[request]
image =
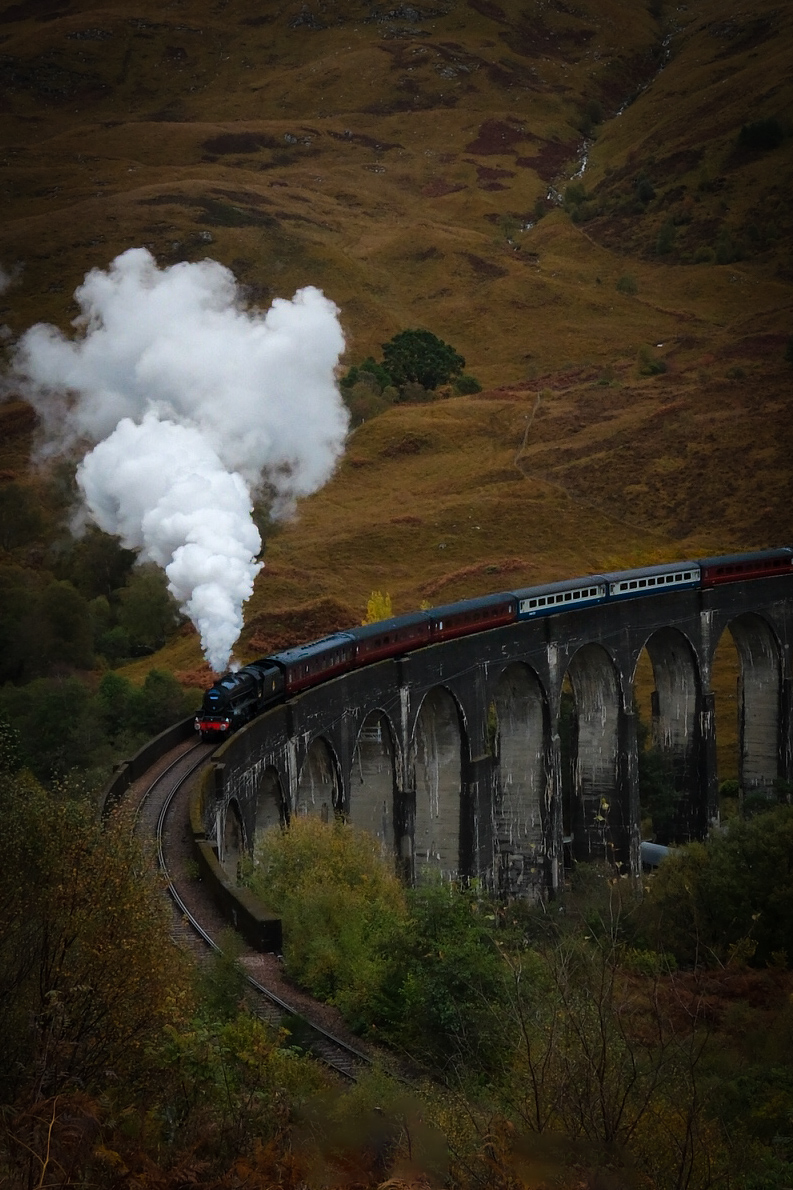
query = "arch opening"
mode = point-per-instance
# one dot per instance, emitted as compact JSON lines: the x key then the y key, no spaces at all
{"x":270,"y":802}
{"x":748,"y":740}
{"x":599,"y":815}
{"x":667,"y":701}
{"x":521,"y":750}
{"x":233,"y":842}
{"x":437,"y":765}
{"x":373,"y":782}
{"x":318,"y":789}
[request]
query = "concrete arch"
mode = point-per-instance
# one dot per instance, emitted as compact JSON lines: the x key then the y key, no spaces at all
{"x":675,"y":726}
{"x":270,"y":801}
{"x":373,"y":780}
{"x":522,"y":746}
{"x":600,"y":819}
{"x":438,"y":769}
{"x":318,"y":787}
{"x":759,"y":703}
{"x":233,"y":841}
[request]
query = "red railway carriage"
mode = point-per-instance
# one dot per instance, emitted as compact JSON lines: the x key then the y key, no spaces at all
{"x":733,"y":568}
{"x":389,"y":638}
{"x":305,"y":665}
{"x":472,"y":615}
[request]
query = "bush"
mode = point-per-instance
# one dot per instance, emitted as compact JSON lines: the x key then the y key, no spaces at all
{"x":732,"y":895}
{"x":374,"y":375}
{"x":88,"y":977}
{"x":627,"y":285}
{"x":649,"y":364}
{"x":761,"y":135}
{"x":365,"y":402}
{"x":666,"y":238}
{"x":466,"y":385}
{"x":340,"y":905}
{"x":645,"y":191}
{"x":416,"y":967}
{"x":728,"y":250}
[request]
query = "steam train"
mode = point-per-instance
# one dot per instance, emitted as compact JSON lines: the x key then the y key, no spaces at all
{"x":238,"y":697}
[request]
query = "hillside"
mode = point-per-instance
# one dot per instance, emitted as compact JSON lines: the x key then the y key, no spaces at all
{"x":562,"y":191}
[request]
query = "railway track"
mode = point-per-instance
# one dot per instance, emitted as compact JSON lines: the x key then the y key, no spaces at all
{"x":160,"y":809}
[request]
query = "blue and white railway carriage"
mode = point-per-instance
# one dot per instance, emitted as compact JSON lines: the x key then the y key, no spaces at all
{"x":649,"y":580}
{"x":560,"y":597}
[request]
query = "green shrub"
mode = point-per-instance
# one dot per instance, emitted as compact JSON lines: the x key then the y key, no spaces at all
{"x":466,"y":385}
{"x":364,"y":402}
{"x":666,"y":238}
{"x":728,"y":249}
{"x":370,"y":373}
{"x":627,"y":285}
{"x":704,"y":255}
{"x":340,"y":904}
{"x":649,"y":364}
{"x":574,"y":194}
{"x":645,"y":191}
{"x":733,"y":893}
{"x":761,"y":135}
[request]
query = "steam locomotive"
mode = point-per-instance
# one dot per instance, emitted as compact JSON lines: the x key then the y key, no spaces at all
{"x":238,"y":697}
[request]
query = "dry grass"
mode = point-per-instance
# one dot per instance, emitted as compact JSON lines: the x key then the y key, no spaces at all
{"x":397,"y":165}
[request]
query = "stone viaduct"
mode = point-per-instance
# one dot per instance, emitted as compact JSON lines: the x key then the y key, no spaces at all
{"x":452,"y":755}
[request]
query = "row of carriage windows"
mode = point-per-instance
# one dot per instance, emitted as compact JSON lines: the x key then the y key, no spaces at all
{"x":564,"y":597}
{"x":655,"y":580}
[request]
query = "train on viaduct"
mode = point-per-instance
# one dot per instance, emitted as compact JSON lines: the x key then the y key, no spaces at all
{"x":451,"y":754}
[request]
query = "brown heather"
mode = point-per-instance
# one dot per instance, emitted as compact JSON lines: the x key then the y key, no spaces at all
{"x":396,"y":158}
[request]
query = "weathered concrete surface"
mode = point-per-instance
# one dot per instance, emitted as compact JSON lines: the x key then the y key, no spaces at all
{"x":451,"y":755}
{"x":437,"y":763}
{"x":372,"y":797}
{"x":675,"y":707}
{"x":521,"y":740}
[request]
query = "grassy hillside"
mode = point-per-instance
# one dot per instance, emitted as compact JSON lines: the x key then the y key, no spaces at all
{"x":423,"y":165}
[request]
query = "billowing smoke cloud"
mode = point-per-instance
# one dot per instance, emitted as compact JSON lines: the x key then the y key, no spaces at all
{"x":192,"y":401}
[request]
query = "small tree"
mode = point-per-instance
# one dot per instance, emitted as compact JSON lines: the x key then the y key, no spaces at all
{"x":421,"y":357}
{"x":378,"y":607}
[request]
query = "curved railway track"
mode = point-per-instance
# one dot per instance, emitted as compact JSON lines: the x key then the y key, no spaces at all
{"x":160,"y":808}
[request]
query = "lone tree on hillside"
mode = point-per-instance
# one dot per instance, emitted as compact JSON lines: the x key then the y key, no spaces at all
{"x":421,"y":357}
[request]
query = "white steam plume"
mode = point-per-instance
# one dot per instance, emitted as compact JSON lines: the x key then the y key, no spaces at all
{"x":193,"y":401}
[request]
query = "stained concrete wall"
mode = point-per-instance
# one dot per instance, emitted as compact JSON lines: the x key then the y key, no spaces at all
{"x":472,"y":801}
{"x":271,"y":809}
{"x":676,"y":702}
{"x":373,"y":782}
{"x":317,"y":793}
{"x":596,"y":796}
{"x":759,"y":704}
{"x":521,"y":740}
{"x":437,"y":764}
